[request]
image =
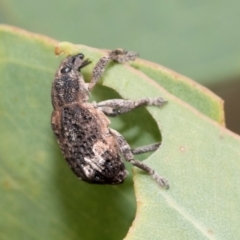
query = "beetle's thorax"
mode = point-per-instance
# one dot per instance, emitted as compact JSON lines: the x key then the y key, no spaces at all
{"x":69,"y":89}
{"x":69,"y":86}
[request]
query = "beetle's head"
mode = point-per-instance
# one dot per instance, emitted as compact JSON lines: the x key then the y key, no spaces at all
{"x":69,"y":85}
{"x":75,"y":62}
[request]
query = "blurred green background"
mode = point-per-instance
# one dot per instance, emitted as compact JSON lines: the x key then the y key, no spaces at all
{"x":199,"y":39}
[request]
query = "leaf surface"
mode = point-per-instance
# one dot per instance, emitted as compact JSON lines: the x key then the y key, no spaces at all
{"x":41,"y":198}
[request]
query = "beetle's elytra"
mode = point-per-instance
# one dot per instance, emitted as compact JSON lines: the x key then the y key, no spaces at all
{"x":92,"y":149}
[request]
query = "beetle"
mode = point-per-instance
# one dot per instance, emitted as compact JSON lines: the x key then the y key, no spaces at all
{"x":92,"y":149}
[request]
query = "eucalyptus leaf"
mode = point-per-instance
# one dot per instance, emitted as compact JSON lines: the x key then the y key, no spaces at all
{"x":41,"y":198}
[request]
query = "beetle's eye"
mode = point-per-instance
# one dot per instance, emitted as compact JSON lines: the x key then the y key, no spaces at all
{"x":66,"y":70}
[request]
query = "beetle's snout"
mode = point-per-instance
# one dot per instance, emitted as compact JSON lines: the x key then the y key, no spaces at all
{"x":79,"y":62}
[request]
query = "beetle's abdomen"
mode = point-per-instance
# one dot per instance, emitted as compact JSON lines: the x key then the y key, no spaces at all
{"x":93,"y":157}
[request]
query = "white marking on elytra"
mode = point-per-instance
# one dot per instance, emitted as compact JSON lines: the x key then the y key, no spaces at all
{"x":97,"y":162}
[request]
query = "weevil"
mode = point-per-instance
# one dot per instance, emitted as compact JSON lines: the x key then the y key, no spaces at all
{"x":93,"y":150}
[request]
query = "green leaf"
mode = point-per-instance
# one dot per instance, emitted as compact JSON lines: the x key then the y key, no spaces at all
{"x":41,"y":198}
{"x":184,"y":88}
{"x":196,"y":38}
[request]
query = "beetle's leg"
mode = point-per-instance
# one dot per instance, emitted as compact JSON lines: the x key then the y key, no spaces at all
{"x":115,"y":107}
{"x":146,"y":148}
{"x":128,"y":155}
{"x":117,"y":55}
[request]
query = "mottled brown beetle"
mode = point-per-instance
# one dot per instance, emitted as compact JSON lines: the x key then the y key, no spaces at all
{"x":91,"y":148}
